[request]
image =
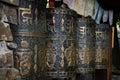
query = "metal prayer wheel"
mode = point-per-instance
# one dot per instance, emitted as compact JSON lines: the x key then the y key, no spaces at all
{"x":102,"y":46}
{"x":60,"y":43}
{"x":25,"y":55}
{"x":85,"y":45}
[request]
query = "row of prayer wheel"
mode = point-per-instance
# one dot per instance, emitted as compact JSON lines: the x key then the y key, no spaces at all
{"x":58,"y":44}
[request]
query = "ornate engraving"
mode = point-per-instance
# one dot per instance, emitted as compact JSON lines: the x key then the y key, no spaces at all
{"x":43,"y":59}
{"x":62,"y":27}
{"x":62,"y":56}
{"x":28,"y":36}
{"x":51,"y":55}
{"x":85,"y":45}
{"x":60,"y":43}
{"x":70,"y":55}
{"x":35,"y":58}
{"x":25,"y":15}
{"x":24,"y":58}
{"x":102,"y":46}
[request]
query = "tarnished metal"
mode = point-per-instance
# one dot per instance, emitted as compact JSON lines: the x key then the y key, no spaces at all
{"x":86,"y":76}
{"x":29,"y":36}
{"x":102,"y":46}
{"x":38,"y":12}
{"x":85,"y":45}
{"x":13,"y":2}
{"x":24,"y":54}
{"x":25,"y":37}
{"x":60,"y":43}
{"x":24,"y":13}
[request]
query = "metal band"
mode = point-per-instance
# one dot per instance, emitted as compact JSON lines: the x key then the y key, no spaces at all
{"x":99,"y":66}
{"x":61,"y":11}
{"x":61,"y":74}
{"x":24,"y":33}
{"x":85,"y":70}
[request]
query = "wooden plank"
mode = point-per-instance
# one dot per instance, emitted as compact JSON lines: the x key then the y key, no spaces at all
{"x":113,"y":30}
{"x":109,"y":70}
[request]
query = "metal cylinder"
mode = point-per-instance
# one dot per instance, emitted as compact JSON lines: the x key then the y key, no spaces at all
{"x":23,"y":36}
{"x":85,"y":45}
{"x":24,"y":54}
{"x":102,"y":46}
{"x":29,"y":37}
{"x":60,"y":43}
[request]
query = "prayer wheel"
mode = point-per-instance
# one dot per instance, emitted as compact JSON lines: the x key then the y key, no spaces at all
{"x":85,"y":48}
{"x":24,"y":54}
{"x":60,"y":43}
{"x":102,"y":46}
{"x":28,"y":37}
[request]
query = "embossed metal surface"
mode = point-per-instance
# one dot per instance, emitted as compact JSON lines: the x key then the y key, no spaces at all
{"x":102,"y":45}
{"x":85,"y":45}
{"x":60,"y":46}
{"x":39,"y":23}
{"x":24,"y":13}
{"x":25,"y":54}
{"x":29,"y":36}
{"x":25,"y":37}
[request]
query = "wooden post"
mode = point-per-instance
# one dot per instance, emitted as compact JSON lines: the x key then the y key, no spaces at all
{"x":109,"y":70}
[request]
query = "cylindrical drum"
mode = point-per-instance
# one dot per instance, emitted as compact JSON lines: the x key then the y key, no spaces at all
{"x":85,"y":45}
{"x":25,"y":37}
{"x":24,"y":55}
{"x":102,"y":45}
{"x":60,"y":46}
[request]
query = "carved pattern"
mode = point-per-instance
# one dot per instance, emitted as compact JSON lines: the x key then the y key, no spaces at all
{"x":24,"y":58}
{"x":85,"y":45}
{"x":102,"y":46}
{"x":22,"y":15}
{"x":60,"y":46}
